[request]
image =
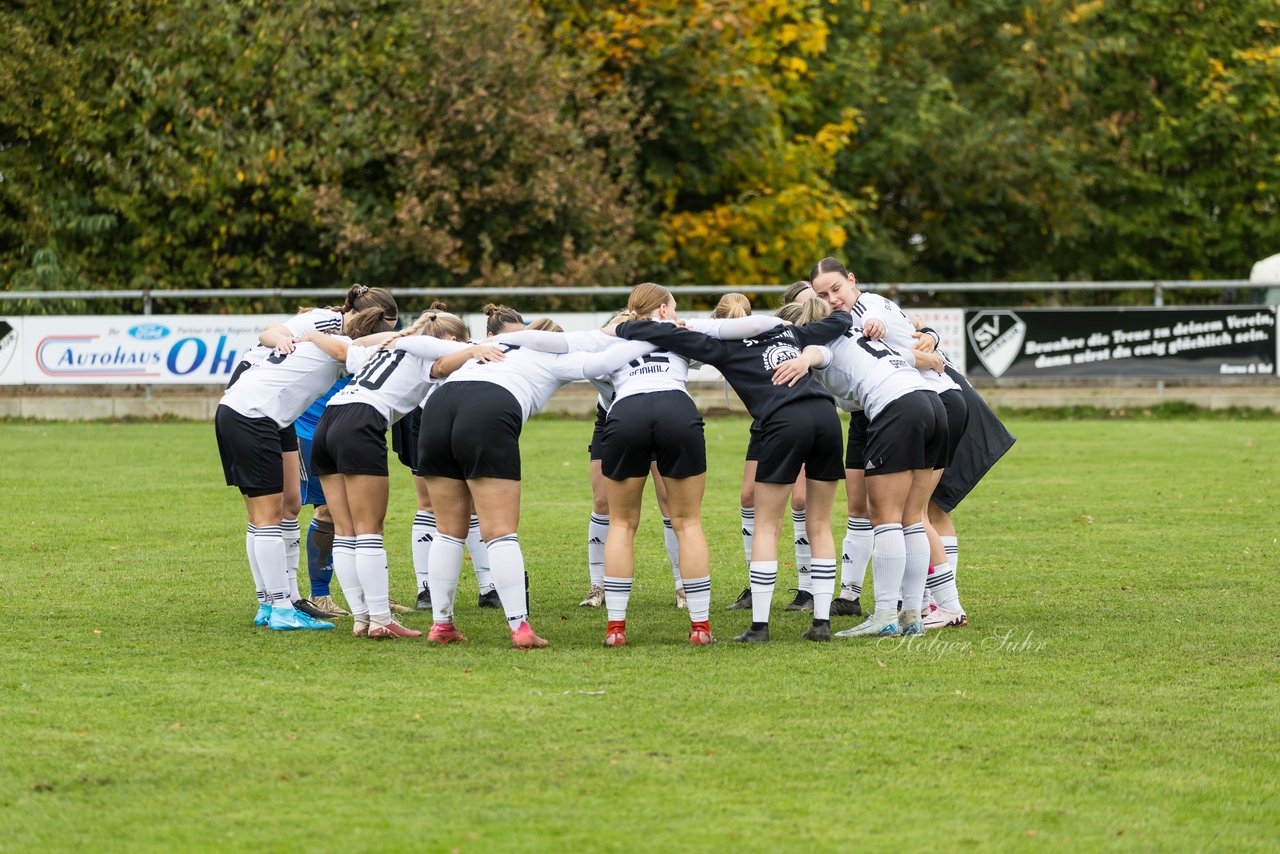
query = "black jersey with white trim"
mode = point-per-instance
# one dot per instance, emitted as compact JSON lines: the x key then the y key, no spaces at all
{"x":748,"y":364}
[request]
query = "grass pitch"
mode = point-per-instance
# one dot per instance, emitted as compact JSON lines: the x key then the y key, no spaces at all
{"x":1118,"y":687}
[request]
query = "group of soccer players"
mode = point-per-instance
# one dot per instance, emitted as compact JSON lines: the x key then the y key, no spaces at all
{"x":306,"y":416}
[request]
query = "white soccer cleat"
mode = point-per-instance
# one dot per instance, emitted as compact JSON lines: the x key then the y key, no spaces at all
{"x":941,"y":618}
{"x":883,"y":625}
{"x":595,"y":598}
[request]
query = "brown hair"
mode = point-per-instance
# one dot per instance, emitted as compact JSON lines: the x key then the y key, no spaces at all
{"x":645,"y":299}
{"x":789,"y":295}
{"x":499,"y":316}
{"x":370,"y":321}
{"x":732,"y":305}
{"x":811,"y":310}
{"x":546,"y":324}
{"x":361,"y":297}
{"x":828,"y":265}
{"x":436,"y":323}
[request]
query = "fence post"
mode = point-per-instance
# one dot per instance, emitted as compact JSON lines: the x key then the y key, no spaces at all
{"x":1157,"y":298}
{"x":146,"y":309}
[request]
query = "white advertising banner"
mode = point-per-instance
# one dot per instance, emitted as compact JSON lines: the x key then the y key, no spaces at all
{"x":155,"y":349}
{"x":204,"y":349}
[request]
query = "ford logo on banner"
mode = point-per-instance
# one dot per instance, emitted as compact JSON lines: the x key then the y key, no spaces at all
{"x":149,"y":331}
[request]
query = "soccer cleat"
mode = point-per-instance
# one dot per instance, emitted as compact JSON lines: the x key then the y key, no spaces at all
{"x":682,"y":601}
{"x":263,"y":616}
{"x":802,"y":602}
{"x":312,"y":610}
{"x":361,"y":628}
{"x":872,"y":628}
{"x":743,"y":602}
{"x":393,"y":630}
{"x":818,"y":632}
{"x":286,"y":620}
{"x":700,"y":634}
{"x":753,"y":635}
{"x":595,"y":598}
{"x":909,"y":623}
{"x":397,"y":608}
{"x":445,"y":633}
{"x":423,"y":602}
{"x":841,"y":607}
{"x":489,"y":600}
{"x":524,"y":638}
{"x":616,"y":633}
{"x":326,"y":603}
{"x":941,"y":618}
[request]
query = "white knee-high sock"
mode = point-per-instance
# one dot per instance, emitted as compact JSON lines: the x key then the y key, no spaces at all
{"x":799,"y":528}
{"x":673,"y":550}
{"x":617,"y":592}
{"x":888,"y":562}
{"x":597,"y":533}
{"x":748,"y":530}
{"x":915,"y":569}
{"x":698,"y":592}
{"x":424,"y":534}
{"x":479,"y":557}
{"x":946,"y":592}
{"x":764,"y":575}
{"x":292,"y":549}
{"x":507,"y":563}
{"x":268,"y":545}
{"x":823,"y":572}
{"x":259,"y":585}
{"x":445,"y":568}
{"x":858,"y":541}
{"x":371,"y":566}
{"x":344,"y":567}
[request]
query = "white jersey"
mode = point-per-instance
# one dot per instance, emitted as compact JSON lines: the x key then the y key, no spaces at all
{"x":656,"y":371}
{"x":315,"y":320}
{"x":283,"y":385}
{"x":869,"y":373}
{"x":533,"y":376}
{"x":395,"y":381}
{"x":898,"y":333}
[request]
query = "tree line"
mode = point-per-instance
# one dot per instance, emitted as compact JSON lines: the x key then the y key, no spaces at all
{"x":312,"y":143}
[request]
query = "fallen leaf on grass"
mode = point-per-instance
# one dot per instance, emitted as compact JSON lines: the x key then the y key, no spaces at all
{"x":1086,"y":518}
{"x":883,"y":666}
{"x":175,"y":725}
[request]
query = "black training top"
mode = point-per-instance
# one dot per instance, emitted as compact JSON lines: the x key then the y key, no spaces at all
{"x":748,"y":365}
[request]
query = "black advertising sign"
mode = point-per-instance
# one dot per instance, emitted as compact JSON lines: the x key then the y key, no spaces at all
{"x":1120,"y":342}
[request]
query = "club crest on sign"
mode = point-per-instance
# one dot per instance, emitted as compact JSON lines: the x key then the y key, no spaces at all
{"x":8,"y":344}
{"x":997,"y":338}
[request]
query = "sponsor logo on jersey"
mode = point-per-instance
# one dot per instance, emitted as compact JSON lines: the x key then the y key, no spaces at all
{"x":997,"y":337}
{"x":776,"y":354}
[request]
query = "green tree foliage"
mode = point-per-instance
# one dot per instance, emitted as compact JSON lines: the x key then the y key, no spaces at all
{"x":197,"y":143}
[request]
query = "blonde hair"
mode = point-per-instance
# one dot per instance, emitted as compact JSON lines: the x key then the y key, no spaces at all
{"x":811,"y":310}
{"x":546,"y":324}
{"x":645,"y":299}
{"x":790,"y":312}
{"x":435,"y":322}
{"x":731,"y":305}
{"x":499,"y":316}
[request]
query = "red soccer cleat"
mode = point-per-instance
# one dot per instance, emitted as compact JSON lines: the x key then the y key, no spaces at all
{"x":700,"y":634}
{"x":445,"y":633}
{"x":524,"y":638}
{"x":616,"y":633}
{"x":392,"y":630}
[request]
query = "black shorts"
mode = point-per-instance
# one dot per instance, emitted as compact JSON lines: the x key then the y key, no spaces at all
{"x":404,"y":439}
{"x":802,"y":434}
{"x":855,"y":452}
{"x":753,"y":444}
{"x":662,"y":425}
{"x":984,"y":442}
{"x":288,"y":439}
{"x":908,"y":434}
{"x":350,"y":439}
{"x":957,"y":416}
{"x":470,"y":430}
{"x":250,"y":452}
{"x":593,"y":450}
